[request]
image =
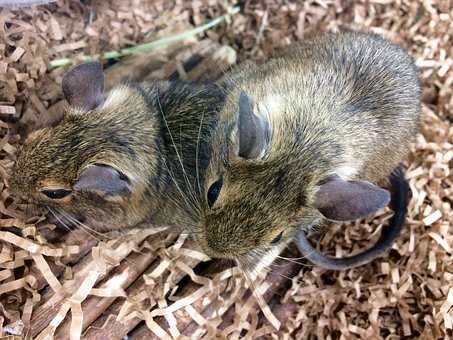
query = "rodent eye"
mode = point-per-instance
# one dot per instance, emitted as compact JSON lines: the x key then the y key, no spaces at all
{"x":56,"y":193}
{"x":277,"y":238}
{"x":214,"y":191}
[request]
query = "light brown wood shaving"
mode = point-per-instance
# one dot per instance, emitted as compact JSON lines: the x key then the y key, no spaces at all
{"x":408,"y":293}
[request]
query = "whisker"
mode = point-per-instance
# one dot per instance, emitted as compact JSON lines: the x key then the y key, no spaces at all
{"x":190,"y":205}
{"x":73,"y":221}
{"x":177,"y":153}
{"x":84,"y":227}
{"x":197,"y":155}
{"x":104,"y":237}
{"x":245,"y":268}
{"x":63,"y":224}
{"x":190,"y":233}
{"x":270,"y":272}
{"x":293,"y":261}
{"x":192,"y":210}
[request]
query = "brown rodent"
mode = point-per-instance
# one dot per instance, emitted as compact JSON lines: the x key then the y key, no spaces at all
{"x":119,"y":159}
{"x":307,"y":138}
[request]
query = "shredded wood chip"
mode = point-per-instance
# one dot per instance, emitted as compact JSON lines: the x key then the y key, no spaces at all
{"x":155,"y":328}
{"x":34,"y":248}
{"x":43,"y":266}
{"x":405,"y":294}
{"x":16,"y":284}
{"x":433,"y":217}
{"x":441,"y":241}
{"x":9,"y":110}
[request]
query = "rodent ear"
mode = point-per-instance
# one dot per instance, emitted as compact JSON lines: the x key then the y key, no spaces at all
{"x":342,"y":200}
{"x":83,"y":86}
{"x":103,"y":180}
{"x":253,"y":130}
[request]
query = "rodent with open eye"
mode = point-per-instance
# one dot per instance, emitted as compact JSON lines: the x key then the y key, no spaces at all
{"x":119,"y":159}
{"x":307,"y":138}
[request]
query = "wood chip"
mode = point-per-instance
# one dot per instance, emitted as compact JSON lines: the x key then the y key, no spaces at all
{"x":432,"y":218}
{"x":8,"y":110}
{"x":17,"y":54}
{"x":397,"y":290}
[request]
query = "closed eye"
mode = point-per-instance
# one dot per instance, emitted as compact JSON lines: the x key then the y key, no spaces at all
{"x":277,"y":238}
{"x":214,"y":191}
{"x":56,"y":193}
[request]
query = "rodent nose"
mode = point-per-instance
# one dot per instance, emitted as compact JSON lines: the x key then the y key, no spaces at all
{"x":223,"y":247}
{"x":24,"y":197}
{"x":213,"y":248}
{"x":216,"y":247}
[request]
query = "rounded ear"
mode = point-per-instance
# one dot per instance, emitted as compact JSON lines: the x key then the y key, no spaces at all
{"x":253,"y":130}
{"x":104,"y":181}
{"x":83,"y":86}
{"x":342,"y":200}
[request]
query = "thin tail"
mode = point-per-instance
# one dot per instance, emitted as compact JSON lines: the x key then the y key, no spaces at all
{"x":400,"y":190}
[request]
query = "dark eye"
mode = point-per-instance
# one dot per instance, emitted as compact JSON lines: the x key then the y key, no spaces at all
{"x":277,"y":238}
{"x":56,"y":194}
{"x":214,"y":191}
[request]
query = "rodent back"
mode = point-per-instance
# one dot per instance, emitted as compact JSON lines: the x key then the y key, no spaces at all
{"x":356,"y":86}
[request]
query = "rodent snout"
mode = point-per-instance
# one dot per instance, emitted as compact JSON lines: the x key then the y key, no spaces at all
{"x":224,"y":244}
{"x":219,"y":250}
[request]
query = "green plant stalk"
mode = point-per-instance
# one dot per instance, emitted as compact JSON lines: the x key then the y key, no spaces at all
{"x":147,"y":47}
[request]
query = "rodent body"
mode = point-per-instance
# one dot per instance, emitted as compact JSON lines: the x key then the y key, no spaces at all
{"x":114,"y":161}
{"x":305,"y":138}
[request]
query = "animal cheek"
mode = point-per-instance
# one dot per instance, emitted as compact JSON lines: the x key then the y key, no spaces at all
{"x":66,"y":201}
{"x":301,"y":201}
{"x":22,"y":195}
{"x":120,"y":199}
{"x":76,"y":202}
{"x":301,"y":213}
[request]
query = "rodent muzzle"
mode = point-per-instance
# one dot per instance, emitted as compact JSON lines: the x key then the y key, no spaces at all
{"x":225,"y":245}
{"x":64,"y":220}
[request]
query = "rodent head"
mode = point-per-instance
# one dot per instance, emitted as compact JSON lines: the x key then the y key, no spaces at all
{"x":260,"y":189}
{"x":94,"y":164}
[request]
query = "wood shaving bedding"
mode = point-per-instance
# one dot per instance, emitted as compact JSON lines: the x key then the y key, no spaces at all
{"x":406,"y":294}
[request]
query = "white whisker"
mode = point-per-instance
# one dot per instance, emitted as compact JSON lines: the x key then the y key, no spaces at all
{"x":175,"y":148}
{"x":197,"y":155}
{"x":90,"y":231}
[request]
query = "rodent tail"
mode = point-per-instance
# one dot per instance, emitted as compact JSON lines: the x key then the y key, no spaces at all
{"x":400,"y":200}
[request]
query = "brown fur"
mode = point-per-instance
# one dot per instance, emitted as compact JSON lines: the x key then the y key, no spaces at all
{"x":345,"y":103}
{"x":153,"y":133}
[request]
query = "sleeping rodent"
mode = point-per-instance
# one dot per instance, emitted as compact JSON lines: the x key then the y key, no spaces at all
{"x":307,"y":138}
{"x":116,"y":160}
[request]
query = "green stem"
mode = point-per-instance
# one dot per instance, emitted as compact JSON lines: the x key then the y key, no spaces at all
{"x":147,"y":47}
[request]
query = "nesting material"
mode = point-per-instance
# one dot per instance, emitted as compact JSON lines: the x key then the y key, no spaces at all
{"x":55,"y":284}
